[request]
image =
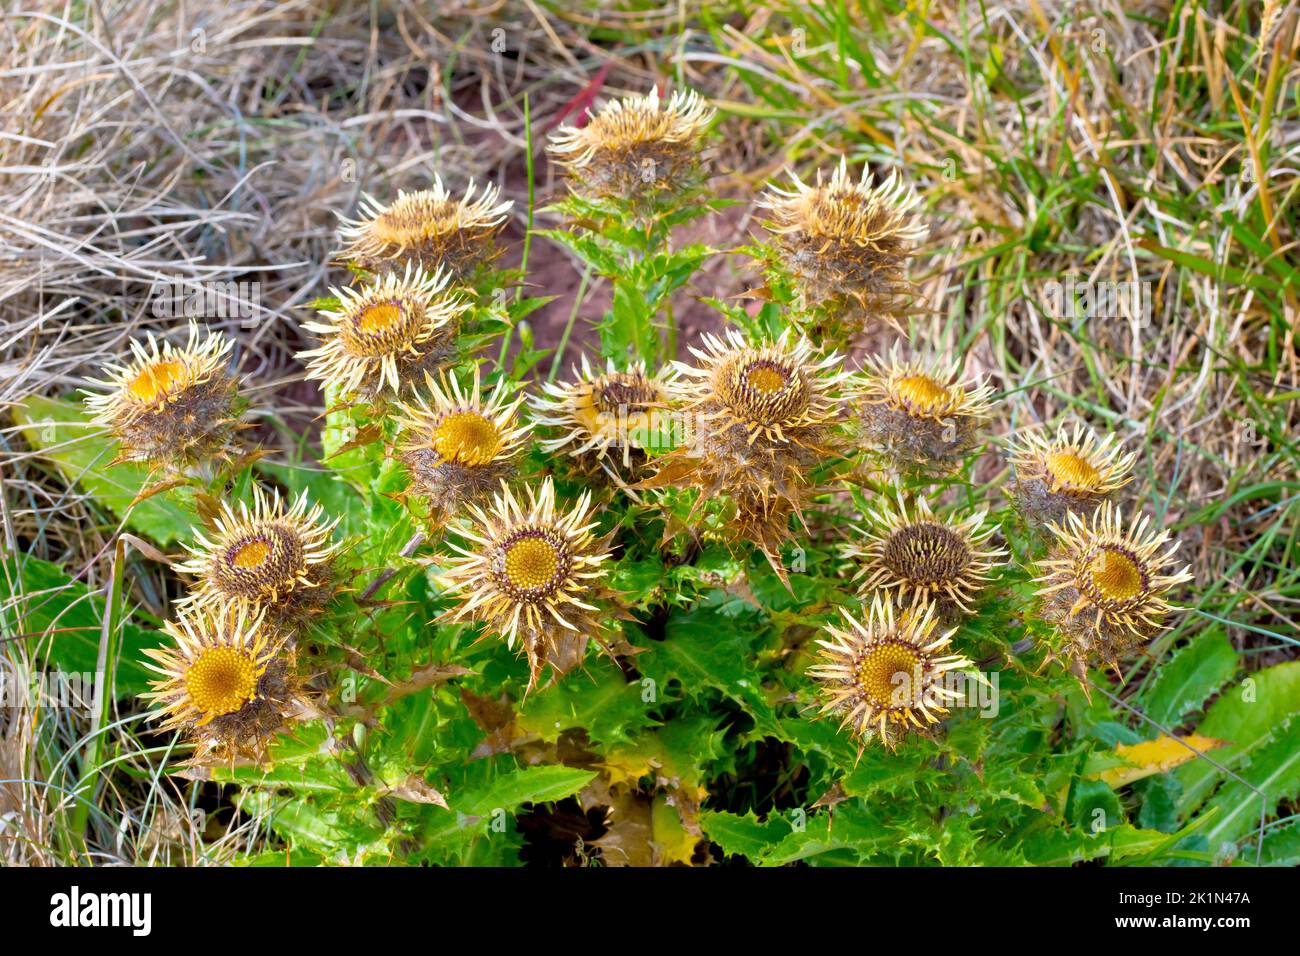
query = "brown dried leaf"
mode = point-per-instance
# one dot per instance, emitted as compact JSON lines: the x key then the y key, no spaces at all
{"x":157,"y":488}
{"x":415,"y":790}
{"x":366,"y":435}
{"x":208,"y":508}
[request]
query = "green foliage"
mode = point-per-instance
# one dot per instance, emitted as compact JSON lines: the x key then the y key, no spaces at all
{"x":431,"y":753}
{"x":706,"y":729}
{"x":630,"y":248}
{"x":1269,"y":774}
{"x":1190,"y":676}
{"x":1249,"y":716}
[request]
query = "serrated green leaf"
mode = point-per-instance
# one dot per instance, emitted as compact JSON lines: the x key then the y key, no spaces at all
{"x":1245,"y":716}
{"x":1272,"y":769}
{"x":745,"y":835}
{"x":1282,"y":847}
{"x":1189,"y":677}
{"x":1065,"y":847}
{"x":326,"y":829}
{"x":1094,"y":806}
{"x":1159,"y":810}
{"x":1009,"y":781}
{"x":704,"y":649}
{"x":599,"y":700}
{"x":586,"y":248}
{"x":849,"y":836}
{"x":506,"y":792}
{"x":639,"y":583}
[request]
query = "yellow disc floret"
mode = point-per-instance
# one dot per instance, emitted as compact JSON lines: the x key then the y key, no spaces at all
{"x":888,"y":674}
{"x":531,"y":562}
{"x":468,"y":437}
{"x":1116,"y":575}
{"x":221,"y":680}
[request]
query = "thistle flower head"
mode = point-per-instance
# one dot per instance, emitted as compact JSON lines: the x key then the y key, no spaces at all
{"x":269,"y":557}
{"x":772,"y":390}
{"x":600,"y":411}
{"x":384,"y":334}
{"x":916,"y":557}
{"x":225,"y":682}
{"x":884,"y":676}
{"x":1070,"y":473}
{"x":845,"y":240}
{"x":636,"y":146}
{"x":169,"y":404}
{"x":530,"y":571}
{"x":1105,"y":583}
{"x":456,"y":444}
{"x":429,"y":229}
{"x":919,"y":415}
{"x":758,"y":421}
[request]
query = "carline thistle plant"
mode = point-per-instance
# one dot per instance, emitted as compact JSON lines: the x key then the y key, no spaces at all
{"x":917,"y":557}
{"x":427,"y":229}
{"x":883,"y":675}
{"x":761,"y":417}
{"x":457,"y":444}
{"x":532,"y":571}
{"x":229,"y":681}
{"x":273,"y":557}
{"x":918,"y":416}
{"x":1105,"y":584}
{"x":384,"y":335}
{"x":847,"y":242}
{"x":514,"y":518}
{"x":1072,"y":472}
{"x":172,"y":406}
{"x":637,"y":147}
{"x":608,"y":421}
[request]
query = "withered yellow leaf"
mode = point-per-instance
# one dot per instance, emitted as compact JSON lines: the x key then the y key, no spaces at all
{"x":672,"y":839}
{"x":1153,"y":756}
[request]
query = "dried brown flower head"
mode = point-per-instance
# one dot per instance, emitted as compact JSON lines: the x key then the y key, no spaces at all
{"x":914,"y":556}
{"x":457,"y":445}
{"x":532,"y":573}
{"x":887,"y":676}
{"x":759,"y":418}
{"x":385,"y":336}
{"x":846,"y":242}
{"x":918,"y":416}
{"x":171,"y":406}
{"x":636,"y":147}
{"x":228,"y":683}
{"x":607,"y":420}
{"x":269,"y":557}
{"x":1072,"y":473}
{"x":427,"y":229}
